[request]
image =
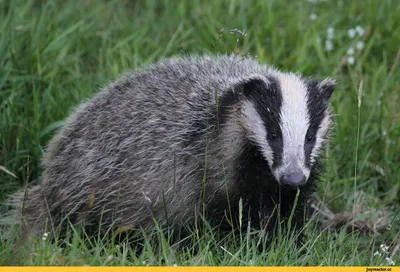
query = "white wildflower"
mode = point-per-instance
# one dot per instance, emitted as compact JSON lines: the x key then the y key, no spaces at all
{"x":359,"y":45}
{"x":350,"y":51}
{"x":384,"y":248}
{"x":351,"y":33}
{"x":390,"y":261}
{"x":360,"y":31}
{"x":330,"y":32}
{"x":377,"y":253}
{"x":328,"y":45}
{"x":174,"y":265}
{"x":350,"y":60}
{"x":313,"y":17}
{"x":45,"y":235}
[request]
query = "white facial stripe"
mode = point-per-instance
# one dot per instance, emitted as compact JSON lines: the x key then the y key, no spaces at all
{"x":323,"y":128}
{"x":294,"y":123}
{"x":256,"y":128}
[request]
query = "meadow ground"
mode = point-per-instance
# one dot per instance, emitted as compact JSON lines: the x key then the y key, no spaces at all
{"x":54,"y":54}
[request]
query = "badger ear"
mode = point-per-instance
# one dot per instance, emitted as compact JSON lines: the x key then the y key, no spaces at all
{"x":242,"y":88}
{"x":250,"y":85}
{"x":326,"y":87}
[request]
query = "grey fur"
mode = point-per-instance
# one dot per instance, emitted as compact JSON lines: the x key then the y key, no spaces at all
{"x":140,"y":148}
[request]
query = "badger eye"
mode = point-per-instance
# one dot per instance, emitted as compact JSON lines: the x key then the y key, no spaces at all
{"x":272,"y":136}
{"x":310,"y":138}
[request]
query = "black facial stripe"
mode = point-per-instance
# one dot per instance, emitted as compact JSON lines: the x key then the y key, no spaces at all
{"x":267,"y":100}
{"x":317,"y":105}
{"x":268,"y":103}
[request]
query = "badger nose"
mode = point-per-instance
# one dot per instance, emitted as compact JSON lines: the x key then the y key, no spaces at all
{"x":294,"y":179}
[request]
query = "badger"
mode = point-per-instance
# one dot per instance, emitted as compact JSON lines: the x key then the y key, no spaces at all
{"x":221,"y":137}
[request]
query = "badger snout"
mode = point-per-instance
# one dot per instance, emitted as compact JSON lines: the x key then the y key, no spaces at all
{"x":293,"y":174}
{"x":293,"y":179}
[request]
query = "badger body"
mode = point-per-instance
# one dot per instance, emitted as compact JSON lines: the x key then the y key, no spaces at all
{"x":182,"y":137}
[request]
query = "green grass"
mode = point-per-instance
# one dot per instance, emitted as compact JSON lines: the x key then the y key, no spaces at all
{"x":55,"y":54}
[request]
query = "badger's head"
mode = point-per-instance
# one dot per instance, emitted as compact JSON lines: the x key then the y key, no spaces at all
{"x":287,"y":118}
